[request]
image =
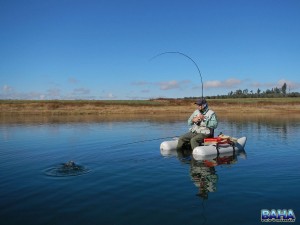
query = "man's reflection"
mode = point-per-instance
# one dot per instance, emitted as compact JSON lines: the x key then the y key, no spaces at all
{"x":203,"y":172}
{"x":204,"y":176}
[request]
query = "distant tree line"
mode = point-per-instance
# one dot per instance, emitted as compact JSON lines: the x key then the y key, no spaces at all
{"x":269,"y":93}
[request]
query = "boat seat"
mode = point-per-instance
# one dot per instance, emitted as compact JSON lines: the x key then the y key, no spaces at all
{"x":212,"y":133}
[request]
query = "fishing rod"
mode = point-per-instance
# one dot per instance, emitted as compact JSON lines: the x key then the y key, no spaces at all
{"x":180,"y":53}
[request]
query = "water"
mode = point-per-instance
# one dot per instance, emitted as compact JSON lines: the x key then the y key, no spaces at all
{"x":126,"y":182}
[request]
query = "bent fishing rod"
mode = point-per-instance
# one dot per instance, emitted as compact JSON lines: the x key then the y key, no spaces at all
{"x":188,"y":57}
{"x":155,"y":139}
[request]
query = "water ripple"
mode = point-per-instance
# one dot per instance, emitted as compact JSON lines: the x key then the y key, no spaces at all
{"x":66,"y":170}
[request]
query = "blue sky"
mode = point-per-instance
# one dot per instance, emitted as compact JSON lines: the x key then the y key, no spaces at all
{"x":84,"y":49}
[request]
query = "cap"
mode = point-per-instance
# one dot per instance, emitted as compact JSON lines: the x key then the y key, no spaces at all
{"x":201,"y":101}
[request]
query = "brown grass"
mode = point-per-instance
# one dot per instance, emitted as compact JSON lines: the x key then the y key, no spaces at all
{"x":158,"y":106}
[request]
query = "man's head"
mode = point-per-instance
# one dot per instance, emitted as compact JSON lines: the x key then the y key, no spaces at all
{"x":202,"y":103}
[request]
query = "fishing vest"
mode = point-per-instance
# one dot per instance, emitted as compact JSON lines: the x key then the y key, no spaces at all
{"x":202,"y":128}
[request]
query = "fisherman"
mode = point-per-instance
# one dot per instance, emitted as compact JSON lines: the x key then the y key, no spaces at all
{"x":203,"y":121}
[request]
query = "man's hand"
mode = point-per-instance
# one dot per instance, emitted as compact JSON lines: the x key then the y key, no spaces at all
{"x":198,"y":118}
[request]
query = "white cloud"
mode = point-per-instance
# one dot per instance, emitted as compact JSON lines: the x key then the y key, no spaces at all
{"x":80,"y":91}
{"x":290,"y":84}
{"x":110,"y":95}
{"x":168,"y":85}
{"x":32,"y":95}
{"x":257,"y":84}
{"x":229,"y":83}
{"x":53,"y":93}
{"x":141,"y":83}
{"x":173,"y":84}
{"x":7,"y":92}
{"x":164,"y":85}
{"x":7,"y":89}
{"x":72,"y":80}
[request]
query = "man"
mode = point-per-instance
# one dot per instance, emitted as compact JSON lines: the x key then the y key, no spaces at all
{"x":203,"y":122}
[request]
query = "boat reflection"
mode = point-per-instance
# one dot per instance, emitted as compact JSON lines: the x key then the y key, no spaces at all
{"x":203,"y":172}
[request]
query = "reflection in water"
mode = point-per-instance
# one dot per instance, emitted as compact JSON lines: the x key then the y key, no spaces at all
{"x":203,"y":172}
{"x":262,"y":123}
{"x":63,"y":119}
{"x":261,"y":118}
{"x":204,"y":177}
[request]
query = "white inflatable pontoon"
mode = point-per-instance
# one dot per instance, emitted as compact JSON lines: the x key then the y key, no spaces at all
{"x":167,"y":147}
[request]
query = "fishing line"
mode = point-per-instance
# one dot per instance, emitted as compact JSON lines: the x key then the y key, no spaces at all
{"x":180,"y":53}
{"x":137,"y":142}
{"x":62,"y":170}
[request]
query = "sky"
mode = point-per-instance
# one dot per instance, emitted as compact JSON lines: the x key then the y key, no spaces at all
{"x":104,"y":49}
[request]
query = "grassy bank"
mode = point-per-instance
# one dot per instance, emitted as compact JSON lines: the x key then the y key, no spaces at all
{"x":155,"y":106}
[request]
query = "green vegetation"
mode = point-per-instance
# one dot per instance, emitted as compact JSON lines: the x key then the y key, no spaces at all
{"x":286,"y":100}
{"x":269,"y":93}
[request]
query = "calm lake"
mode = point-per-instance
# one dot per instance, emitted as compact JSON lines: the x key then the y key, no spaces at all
{"x":122,"y":177}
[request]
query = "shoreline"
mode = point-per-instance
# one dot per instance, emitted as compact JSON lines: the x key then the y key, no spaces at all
{"x":148,"y":107}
